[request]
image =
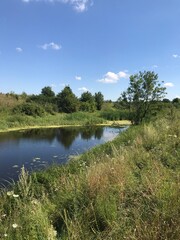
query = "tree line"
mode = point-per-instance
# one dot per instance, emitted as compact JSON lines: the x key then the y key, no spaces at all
{"x":144,"y":97}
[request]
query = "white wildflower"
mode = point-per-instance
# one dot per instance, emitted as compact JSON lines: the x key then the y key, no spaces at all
{"x":10,"y":193}
{"x":15,"y":195}
{"x":14,"y":225}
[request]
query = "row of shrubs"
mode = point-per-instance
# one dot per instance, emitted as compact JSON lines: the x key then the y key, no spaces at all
{"x":35,"y":109}
{"x":115,"y":115}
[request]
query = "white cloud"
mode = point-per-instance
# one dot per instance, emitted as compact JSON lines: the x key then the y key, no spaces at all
{"x":19,"y":50}
{"x":83,"y":89}
{"x":155,"y":66}
{"x":111,"y":77}
{"x":51,"y":45}
{"x":79,"y":78}
{"x":53,"y":85}
{"x":78,"y":5}
{"x":169,"y":84}
{"x":176,"y":56}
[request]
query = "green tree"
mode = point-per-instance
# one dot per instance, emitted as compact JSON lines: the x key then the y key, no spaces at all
{"x":67,"y":101}
{"x":144,"y":91}
{"x":176,"y":102}
{"x":99,"y":99}
{"x":87,"y":102}
{"x":47,"y":92}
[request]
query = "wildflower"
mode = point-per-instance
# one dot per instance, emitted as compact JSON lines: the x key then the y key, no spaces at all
{"x":15,"y":195}
{"x":5,"y":235}
{"x":14,"y":225}
{"x":10,"y":193}
{"x":35,"y":201}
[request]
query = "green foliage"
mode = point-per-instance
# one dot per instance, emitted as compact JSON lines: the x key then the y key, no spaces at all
{"x":87,"y":107}
{"x":124,"y":189}
{"x":86,"y":97}
{"x":114,"y":115}
{"x":30,"y":109}
{"x":87,"y":102}
{"x":67,"y":101}
{"x":99,"y":99}
{"x":144,"y":89}
{"x":47,"y":92}
{"x":176,"y":102}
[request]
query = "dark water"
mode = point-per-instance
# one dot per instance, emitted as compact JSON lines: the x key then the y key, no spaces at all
{"x":38,"y":148}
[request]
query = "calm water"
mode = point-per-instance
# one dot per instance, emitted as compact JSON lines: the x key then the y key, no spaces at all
{"x":38,"y":148}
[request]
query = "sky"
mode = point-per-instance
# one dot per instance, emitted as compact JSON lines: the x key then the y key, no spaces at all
{"x":90,"y":45}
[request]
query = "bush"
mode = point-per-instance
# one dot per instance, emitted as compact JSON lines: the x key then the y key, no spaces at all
{"x":30,"y":109}
{"x":116,"y":115}
{"x":87,"y":107}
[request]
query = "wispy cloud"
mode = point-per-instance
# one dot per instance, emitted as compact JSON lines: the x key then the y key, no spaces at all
{"x":51,"y":45}
{"x":169,"y":84}
{"x":19,"y":50}
{"x":53,"y":85}
{"x":111,"y":77}
{"x":78,"y":5}
{"x":79,"y":78}
{"x":83,"y":89}
{"x":176,"y":56}
{"x":154,"y":66}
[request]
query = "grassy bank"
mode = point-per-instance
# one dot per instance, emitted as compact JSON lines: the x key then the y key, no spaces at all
{"x":125,"y":189}
{"x":16,"y":122}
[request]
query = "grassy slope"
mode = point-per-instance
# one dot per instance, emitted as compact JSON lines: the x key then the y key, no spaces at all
{"x":126,"y":189}
{"x":15,"y":122}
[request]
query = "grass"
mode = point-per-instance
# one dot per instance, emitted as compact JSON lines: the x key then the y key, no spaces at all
{"x":124,"y":189}
{"x":16,"y":122}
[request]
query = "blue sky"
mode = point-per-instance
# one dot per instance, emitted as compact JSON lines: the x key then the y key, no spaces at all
{"x":89,"y":45}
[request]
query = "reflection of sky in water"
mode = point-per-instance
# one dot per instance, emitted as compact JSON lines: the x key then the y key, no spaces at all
{"x":36,"y":149}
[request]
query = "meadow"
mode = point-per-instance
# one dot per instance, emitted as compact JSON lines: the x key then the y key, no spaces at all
{"x":124,"y":189}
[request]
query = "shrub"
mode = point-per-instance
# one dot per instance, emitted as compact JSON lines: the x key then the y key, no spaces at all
{"x":30,"y":109}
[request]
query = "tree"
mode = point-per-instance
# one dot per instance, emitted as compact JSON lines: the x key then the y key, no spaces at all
{"x":67,"y":101}
{"x":99,"y":99}
{"x":47,"y":92}
{"x":144,"y":90}
{"x":176,"y":102}
{"x":87,"y":102}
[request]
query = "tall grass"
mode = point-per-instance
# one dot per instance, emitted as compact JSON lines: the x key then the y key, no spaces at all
{"x":125,"y":189}
{"x":9,"y":121}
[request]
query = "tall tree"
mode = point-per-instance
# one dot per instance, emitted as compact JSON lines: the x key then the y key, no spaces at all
{"x":144,"y":89}
{"x":99,"y":99}
{"x":87,"y":102}
{"x":47,"y":92}
{"x":67,"y":101}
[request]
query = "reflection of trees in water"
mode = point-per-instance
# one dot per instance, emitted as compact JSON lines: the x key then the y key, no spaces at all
{"x":32,"y":135}
{"x":66,"y":136}
{"x":47,"y":134}
{"x":99,"y":132}
{"x":90,"y":132}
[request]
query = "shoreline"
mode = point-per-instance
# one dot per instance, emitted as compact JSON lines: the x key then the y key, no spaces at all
{"x":120,"y":123}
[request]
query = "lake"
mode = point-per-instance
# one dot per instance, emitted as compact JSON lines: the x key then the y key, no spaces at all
{"x":36,"y":149}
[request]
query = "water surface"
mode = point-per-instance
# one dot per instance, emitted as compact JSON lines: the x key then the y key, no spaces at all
{"x":36,"y":149}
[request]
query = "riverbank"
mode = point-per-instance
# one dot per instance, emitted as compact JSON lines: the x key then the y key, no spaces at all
{"x":124,"y":189}
{"x":15,"y":123}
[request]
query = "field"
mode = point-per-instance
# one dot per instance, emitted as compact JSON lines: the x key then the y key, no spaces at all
{"x":124,"y":189}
